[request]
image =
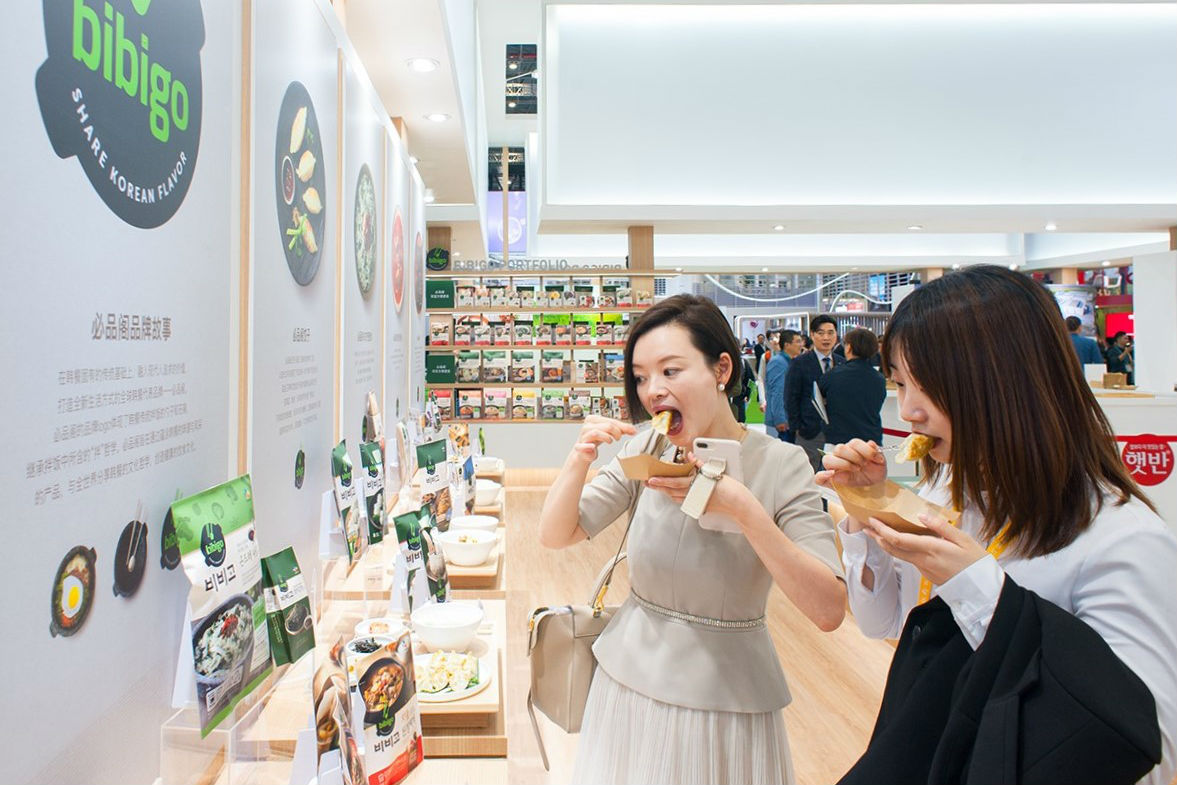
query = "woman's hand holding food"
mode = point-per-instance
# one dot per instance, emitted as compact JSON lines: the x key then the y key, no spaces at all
{"x":855,"y":463}
{"x":596,"y":431}
{"x":729,"y":497}
{"x":938,"y":557}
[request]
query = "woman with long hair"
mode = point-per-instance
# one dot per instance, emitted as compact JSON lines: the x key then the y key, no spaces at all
{"x":1038,"y":639}
{"x":688,"y":686}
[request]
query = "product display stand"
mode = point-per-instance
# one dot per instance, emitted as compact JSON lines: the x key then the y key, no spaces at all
{"x":485,"y":581}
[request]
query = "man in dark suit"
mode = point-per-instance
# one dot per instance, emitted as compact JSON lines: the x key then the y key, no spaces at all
{"x":855,"y":392}
{"x":803,"y":372}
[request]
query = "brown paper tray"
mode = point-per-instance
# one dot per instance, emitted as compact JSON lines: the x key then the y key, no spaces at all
{"x":643,"y":467}
{"x":890,"y":503}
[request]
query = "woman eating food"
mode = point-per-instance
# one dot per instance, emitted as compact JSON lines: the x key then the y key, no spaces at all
{"x":689,"y":688}
{"x":1037,"y":640}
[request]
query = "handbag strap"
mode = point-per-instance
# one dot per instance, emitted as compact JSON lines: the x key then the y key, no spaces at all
{"x":605,"y":578}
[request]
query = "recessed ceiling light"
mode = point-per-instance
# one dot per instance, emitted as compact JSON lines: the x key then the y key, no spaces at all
{"x":1013,"y":267}
{"x":853,"y":268}
{"x":429,"y":197}
{"x":678,"y":269}
{"x":421,"y":65}
{"x":956,"y":267}
{"x":763,"y":269}
{"x":512,"y":65}
{"x":510,"y":104}
{"x":1106,"y":263}
{"x":1050,"y":227}
{"x":414,"y":160}
{"x":437,"y":117}
{"x":457,"y":253}
{"x":779,"y":228}
{"x":915,"y":228}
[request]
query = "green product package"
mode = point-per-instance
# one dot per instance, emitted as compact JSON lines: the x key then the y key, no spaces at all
{"x":230,"y":645}
{"x":372,"y":459}
{"x":288,"y":608}
{"x":346,"y":502}
{"x":426,"y":577}
{"x":435,"y":483}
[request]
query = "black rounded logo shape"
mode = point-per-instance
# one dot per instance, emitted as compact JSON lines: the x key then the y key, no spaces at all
{"x":212,"y":544}
{"x":438,"y":259}
{"x":300,"y":468}
{"x":121,"y":91}
{"x":300,"y":184}
{"x":169,"y":546}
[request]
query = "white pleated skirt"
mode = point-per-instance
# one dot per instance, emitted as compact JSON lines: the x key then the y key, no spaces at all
{"x":627,"y":737}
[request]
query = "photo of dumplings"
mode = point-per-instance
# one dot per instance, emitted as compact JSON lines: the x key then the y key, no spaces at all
{"x":300,"y":183}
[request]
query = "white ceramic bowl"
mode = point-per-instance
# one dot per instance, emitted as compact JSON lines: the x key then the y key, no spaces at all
{"x":486,"y":492}
{"x":448,"y":625}
{"x":485,"y":464}
{"x":468,"y":547}
{"x":381,"y":626}
{"x":486,"y":523}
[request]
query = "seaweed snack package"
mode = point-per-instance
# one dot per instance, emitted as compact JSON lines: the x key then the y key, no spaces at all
{"x":372,"y":459}
{"x":230,"y":645}
{"x":346,"y":501}
{"x":392,"y":719}
{"x":423,"y":575}
{"x":288,"y":608}
{"x":333,"y":722}
{"x":435,"y":482}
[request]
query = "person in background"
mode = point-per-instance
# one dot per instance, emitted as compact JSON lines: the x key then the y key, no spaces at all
{"x":800,"y":410}
{"x":744,"y":392}
{"x":1120,"y":355}
{"x":758,"y":348}
{"x":1036,"y":634}
{"x":775,"y":419}
{"x":1086,"y":348}
{"x":688,"y":686}
{"x":855,"y":392}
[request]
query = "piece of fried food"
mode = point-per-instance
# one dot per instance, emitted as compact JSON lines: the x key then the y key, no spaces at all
{"x":914,"y":447}
{"x":310,"y":198}
{"x":661,"y":422}
{"x":306,"y":166}
{"x":298,"y":129}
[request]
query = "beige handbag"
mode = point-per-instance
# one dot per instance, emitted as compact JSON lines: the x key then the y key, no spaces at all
{"x":560,"y":648}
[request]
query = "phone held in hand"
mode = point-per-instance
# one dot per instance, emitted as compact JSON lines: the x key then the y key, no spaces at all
{"x":729,"y":451}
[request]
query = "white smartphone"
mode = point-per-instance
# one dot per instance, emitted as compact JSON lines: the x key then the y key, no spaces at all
{"x":729,"y":450}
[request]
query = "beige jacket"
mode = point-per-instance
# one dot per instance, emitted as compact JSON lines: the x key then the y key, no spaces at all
{"x":677,"y":565}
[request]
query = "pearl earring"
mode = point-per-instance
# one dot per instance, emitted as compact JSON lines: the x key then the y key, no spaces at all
{"x":721,"y":386}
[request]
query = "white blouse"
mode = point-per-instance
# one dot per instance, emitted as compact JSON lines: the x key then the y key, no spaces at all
{"x":1117,"y":577}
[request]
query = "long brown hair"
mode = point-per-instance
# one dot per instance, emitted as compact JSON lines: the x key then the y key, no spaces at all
{"x":709,"y":332}
{"x":1031,"y":446}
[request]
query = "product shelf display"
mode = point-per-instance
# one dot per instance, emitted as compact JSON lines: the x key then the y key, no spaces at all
{"x":531,"y":348}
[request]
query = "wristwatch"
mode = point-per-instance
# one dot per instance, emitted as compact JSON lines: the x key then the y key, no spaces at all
{"x":703,"y":486}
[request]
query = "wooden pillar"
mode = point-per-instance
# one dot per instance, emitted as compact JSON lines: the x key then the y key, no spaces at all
{"x":1067,"y":275}
{"x":929,"y":274}
{"x":1173,"y":238}
{"x":402,"y":130}
{"x":641,"y":248}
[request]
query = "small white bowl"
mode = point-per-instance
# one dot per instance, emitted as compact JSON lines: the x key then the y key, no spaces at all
{"x":447,"y":625}
{"x":468,"y":547}
{"x":381,"y":626}
{"x":486,"y":492}
{"x":485,"y":464}
{"x":486,"y":523}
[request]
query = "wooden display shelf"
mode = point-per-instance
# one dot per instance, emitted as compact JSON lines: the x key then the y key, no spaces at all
{"x":451,"y":347}
{"x":369,"y":577}
{"x":495,"y":508}
{"x":487,"y":580}
{"x":550,"y":310}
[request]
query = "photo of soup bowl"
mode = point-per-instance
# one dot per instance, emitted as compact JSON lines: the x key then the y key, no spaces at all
{"x":379,"y":687}
{"x":222,"y":643}
{"x":448,"y":625}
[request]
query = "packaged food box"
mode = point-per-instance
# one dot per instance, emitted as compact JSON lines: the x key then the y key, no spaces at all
{"x":561,"y":328}
{"x":586,"y":367}
{"x":496,"y":404}
{"x":544,"y":331}
{"x":470,"y":404}
{"x":614,"y":367}
{"x":552,"y":405}
{"x":584,"y":329}
{"x":580,"y":403}
{"x":523,"y":330}
{"x":483,"y":334}
{"x":552,"y":366}
{"x":500,"y":332}
{"x":440,"y":327}
{"x":524,"y":405}
{"x":494,"y":366}
{"x":445,"y":403}
{"x":464,"y":330}
{"x":464,"y":294}
{"x":481,"y":297}
{"x":586,"y":292}
{"x":524,"y":367}
{"x":469,"y":366}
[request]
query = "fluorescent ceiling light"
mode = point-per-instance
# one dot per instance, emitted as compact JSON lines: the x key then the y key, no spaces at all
{"x":1013,"y":267}
{"x":763,"y":269}
{"x":1050,"y":227}
{"x":915,"y":228}
{"x":437,"y":117}
{"x":510,"y":104}
{"x":779,"y":228}
{"x":421,"y":65}
{"x":457,"y":253}
{"x":679,"y":269}
{"x":1106,"y":263}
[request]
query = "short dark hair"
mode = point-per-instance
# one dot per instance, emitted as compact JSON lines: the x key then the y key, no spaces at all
{"x":710,"y":334}
{"x":818,"y":321}
{"x":1116,"y":337}
{"x":785,"y":337}
{"x":1034,"y":450}
{"x":1073,"y":323}
{"x":862,"y":342}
